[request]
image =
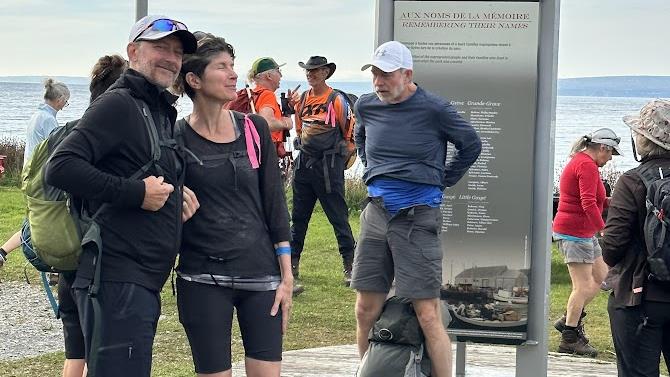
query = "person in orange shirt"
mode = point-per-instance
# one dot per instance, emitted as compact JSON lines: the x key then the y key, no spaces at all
{"x":266,"y":74}
{"x":322,"y":117}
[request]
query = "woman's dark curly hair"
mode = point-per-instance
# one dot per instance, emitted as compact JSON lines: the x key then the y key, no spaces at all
{"x":209,"y":46}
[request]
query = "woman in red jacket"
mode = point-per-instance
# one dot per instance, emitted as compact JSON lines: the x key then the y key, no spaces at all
{"x":579,"y":218}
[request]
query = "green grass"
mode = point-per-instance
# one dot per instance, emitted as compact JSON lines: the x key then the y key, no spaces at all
{"x":323,"y":315}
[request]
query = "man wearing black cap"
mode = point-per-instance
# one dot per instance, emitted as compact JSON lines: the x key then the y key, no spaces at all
{"x":323,"y":116}
{"x":139,"y":219}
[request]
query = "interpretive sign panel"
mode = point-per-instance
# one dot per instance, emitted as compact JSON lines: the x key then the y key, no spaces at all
{"x":482,"y":56}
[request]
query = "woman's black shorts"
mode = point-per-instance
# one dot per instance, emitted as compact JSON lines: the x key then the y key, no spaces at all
{"x":206,"y":312}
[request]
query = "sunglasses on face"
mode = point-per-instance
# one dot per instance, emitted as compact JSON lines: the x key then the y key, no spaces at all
{"x":163,"y":24}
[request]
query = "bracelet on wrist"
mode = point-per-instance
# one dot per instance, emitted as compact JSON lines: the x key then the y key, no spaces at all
{"x":283,"y":250}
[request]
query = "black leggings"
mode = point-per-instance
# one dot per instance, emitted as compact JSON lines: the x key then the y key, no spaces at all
{"x":72,"y":334}
{"x":206,"y":312}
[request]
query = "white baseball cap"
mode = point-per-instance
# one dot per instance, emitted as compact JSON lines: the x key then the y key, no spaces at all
{"x":606,"y":136}
{"x":154,"y":27}
{"x":390,"y":56}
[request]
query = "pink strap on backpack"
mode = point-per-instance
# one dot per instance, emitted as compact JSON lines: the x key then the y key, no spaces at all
{"x":330,"y":115}
{"x":251,"y":136}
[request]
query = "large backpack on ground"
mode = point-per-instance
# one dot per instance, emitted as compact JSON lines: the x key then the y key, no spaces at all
{"x":319,"y":137}
{"x":657,"y":223}
{"x":55,"y":229}
{"x":397,"y":346}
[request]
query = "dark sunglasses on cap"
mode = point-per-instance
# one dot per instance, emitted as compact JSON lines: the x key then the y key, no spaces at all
{"x":163,"y":24}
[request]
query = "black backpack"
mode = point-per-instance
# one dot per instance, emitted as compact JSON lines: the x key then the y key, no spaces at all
{"x":656,"y":223}
{"x":397,"y":346}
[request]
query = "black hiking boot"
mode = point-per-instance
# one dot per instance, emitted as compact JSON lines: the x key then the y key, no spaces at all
{"x":573,"y":343}
{"x":559,"y":325}
{"x":348,"y":265}
{"x":295,"y":269}
{"x":53,"y":278}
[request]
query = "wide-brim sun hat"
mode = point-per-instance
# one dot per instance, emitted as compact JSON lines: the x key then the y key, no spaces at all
{"x":606,"y":136}
{"x":315,"y":62}
{"x":653,"y":122}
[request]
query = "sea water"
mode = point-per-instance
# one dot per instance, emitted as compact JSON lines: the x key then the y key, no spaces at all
{"x":575,"y":116}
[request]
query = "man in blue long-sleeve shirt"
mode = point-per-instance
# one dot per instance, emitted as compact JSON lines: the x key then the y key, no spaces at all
{"x":401,"y":136}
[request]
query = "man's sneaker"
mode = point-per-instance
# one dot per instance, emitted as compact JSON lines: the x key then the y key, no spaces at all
{"x":573,"y":343}
{"x":347,"y":272}
{"x":559,"y":325}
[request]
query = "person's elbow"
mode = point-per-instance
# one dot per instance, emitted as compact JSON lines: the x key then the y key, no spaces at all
{"x":610,"y":255}
{"x":475,"y":147}
{"x":54,"y":173}
{"x":609,"y":258}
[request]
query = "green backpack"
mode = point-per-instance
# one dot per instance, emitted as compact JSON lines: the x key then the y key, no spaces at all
{"x":51,"y":235}
{"x":55,"y":229}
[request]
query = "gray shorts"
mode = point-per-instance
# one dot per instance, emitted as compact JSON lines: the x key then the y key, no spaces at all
{"x":580,"y":251}
{"x":405,"y":246}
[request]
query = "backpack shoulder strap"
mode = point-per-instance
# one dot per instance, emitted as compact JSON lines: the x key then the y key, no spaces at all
{"x":303,"y":98}
{"x":650,"y":174}
{"x":154,"y":139}
{"x":347,"y":106}
{"x":251,"y":136}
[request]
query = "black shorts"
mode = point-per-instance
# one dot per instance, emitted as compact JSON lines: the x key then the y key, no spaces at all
{"x":206,"y":312}
{"x":74,"y":339}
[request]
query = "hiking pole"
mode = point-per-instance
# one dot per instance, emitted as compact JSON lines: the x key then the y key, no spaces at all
{"x":251,"y":101}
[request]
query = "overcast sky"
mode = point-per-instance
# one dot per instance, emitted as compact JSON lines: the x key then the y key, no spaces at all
{"x":65,"y":37}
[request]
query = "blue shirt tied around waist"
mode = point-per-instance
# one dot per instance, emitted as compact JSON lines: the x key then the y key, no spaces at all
{"x":561,"y":236}
{"x":399,"y":194}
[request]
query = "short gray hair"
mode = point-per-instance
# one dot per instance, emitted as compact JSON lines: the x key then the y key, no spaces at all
{"x":55,"y":90}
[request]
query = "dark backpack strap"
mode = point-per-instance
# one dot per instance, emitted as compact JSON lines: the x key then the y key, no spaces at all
{"x":303,"y":98}
{"x":154,"y":139}
{"x":648,"y":175}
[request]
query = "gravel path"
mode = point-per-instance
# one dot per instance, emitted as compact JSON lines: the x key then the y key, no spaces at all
{"x":27,"y":323}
